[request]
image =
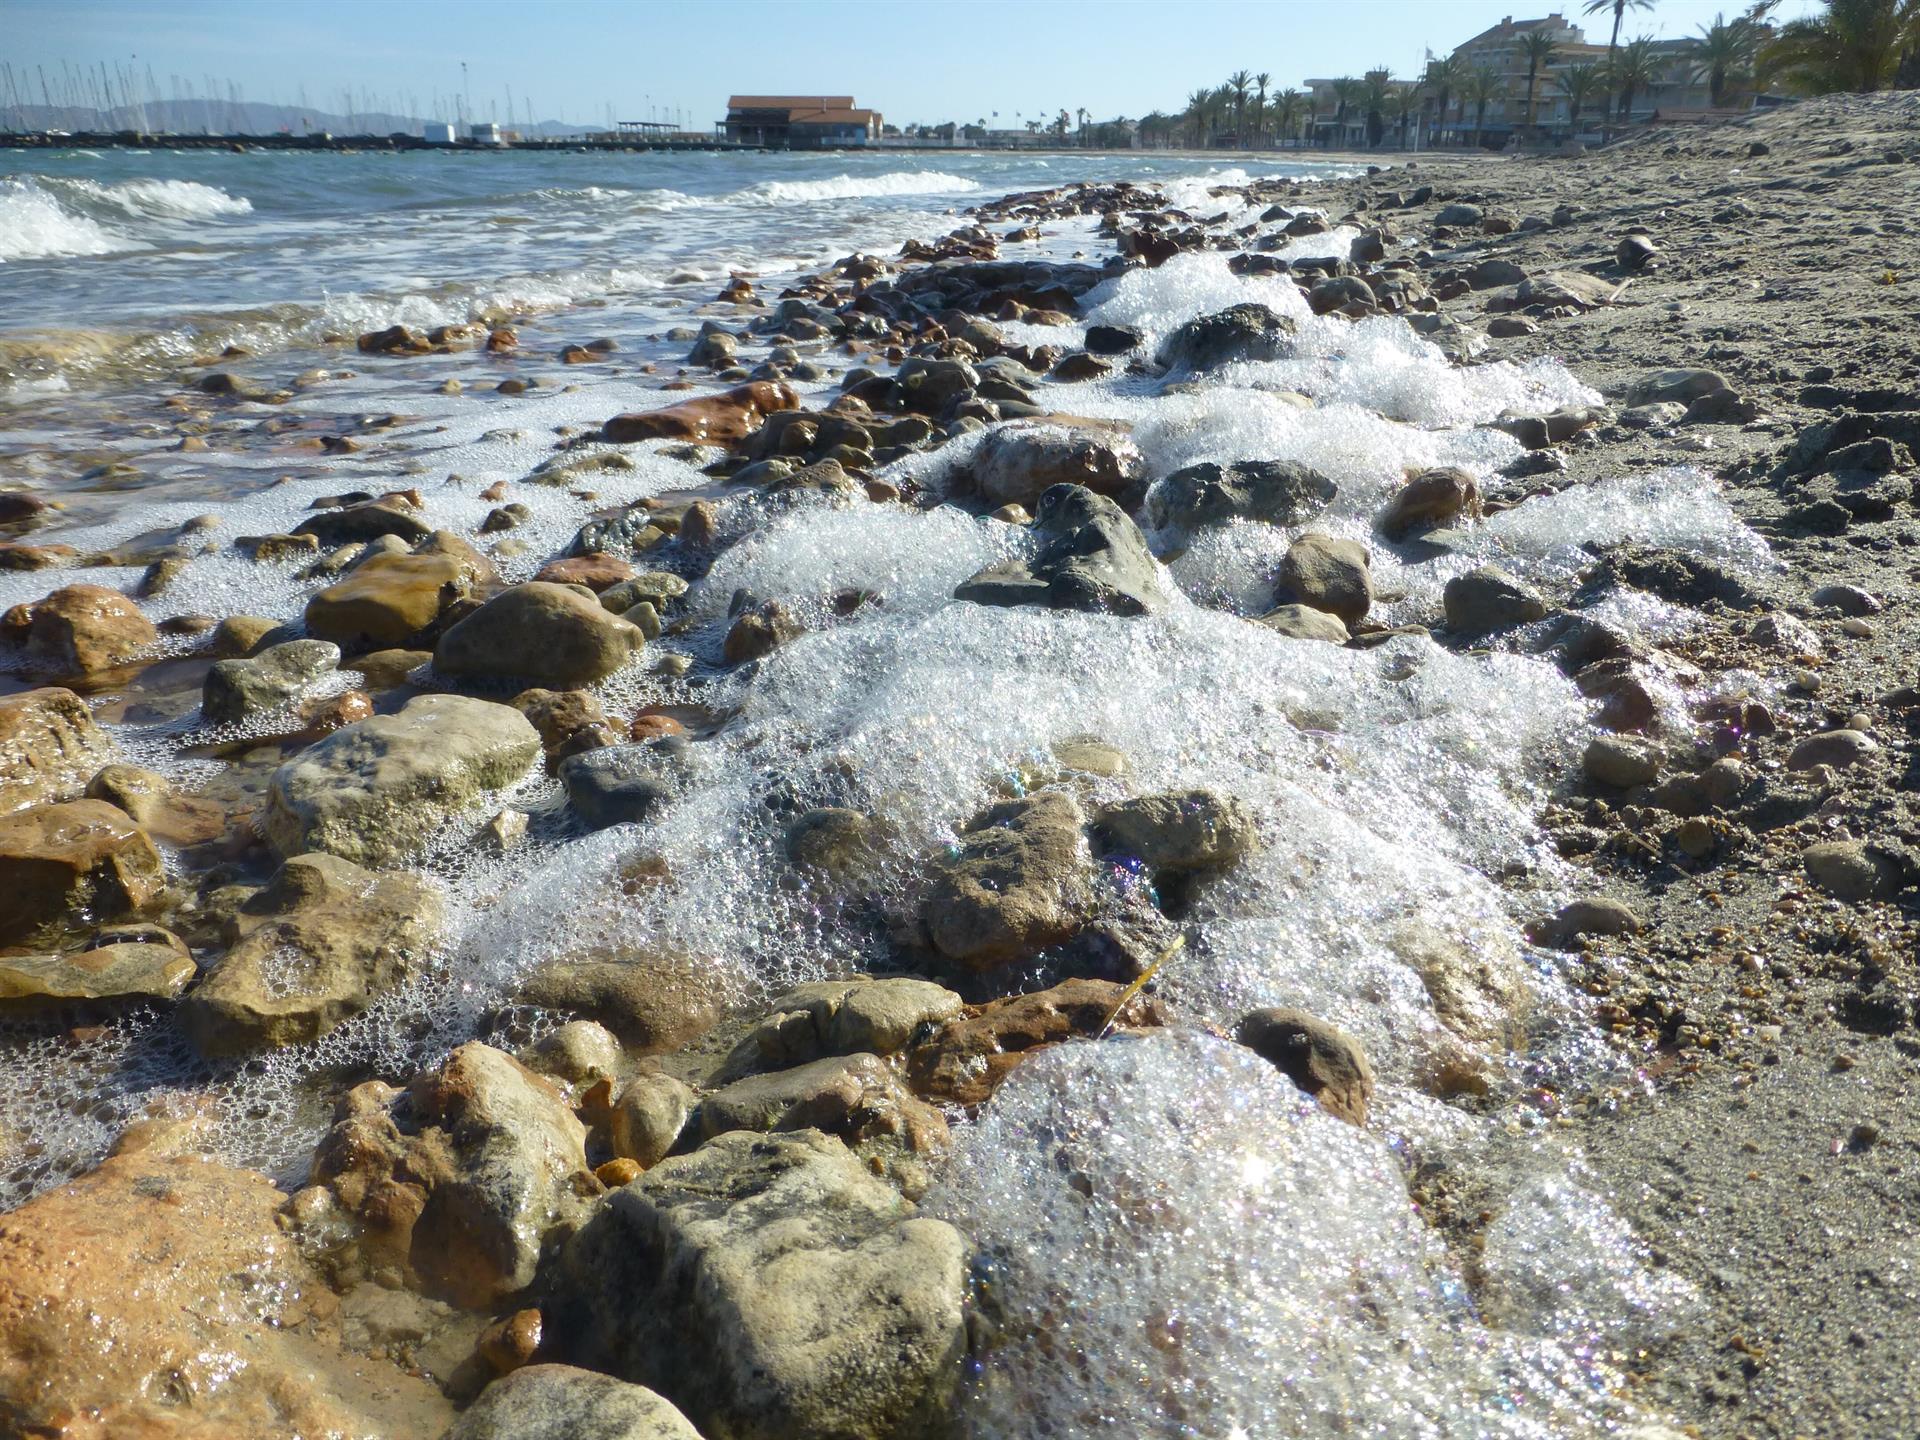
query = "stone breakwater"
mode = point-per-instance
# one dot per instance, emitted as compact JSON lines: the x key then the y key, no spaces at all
{"x":1074,"y":833}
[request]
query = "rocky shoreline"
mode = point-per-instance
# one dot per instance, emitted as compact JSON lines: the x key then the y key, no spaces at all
{"x":718,"y":1015}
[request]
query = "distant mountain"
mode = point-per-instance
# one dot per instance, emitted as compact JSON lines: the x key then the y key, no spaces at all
{"x":221,"y":117}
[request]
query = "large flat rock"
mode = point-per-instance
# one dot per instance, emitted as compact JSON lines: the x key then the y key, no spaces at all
{"x":374,"y":791}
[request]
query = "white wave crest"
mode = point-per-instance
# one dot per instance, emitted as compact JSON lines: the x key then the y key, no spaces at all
{"x":858,"y":187}
{"x":47,"y":217}
{"x":34,"y":226}
{"x":170,"y":199}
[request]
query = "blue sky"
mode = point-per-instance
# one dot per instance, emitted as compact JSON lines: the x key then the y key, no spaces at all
{"x":914,"y":61}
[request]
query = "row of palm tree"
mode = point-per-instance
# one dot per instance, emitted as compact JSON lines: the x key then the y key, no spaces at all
{"x":1242,"y":109}
{"x":1858,"y":45}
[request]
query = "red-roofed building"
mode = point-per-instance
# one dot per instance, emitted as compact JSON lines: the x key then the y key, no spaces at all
{"x":799,"y":122}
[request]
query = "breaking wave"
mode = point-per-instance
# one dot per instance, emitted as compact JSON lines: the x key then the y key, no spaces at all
{"x":45,"y":218}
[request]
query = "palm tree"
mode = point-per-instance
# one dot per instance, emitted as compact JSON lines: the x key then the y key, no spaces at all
{"x":1723,"y":52}
{"x":1289,"y":108}
{"x":1377,"y":99}
{"x":1222,"y":105}
{"x":1483,"y":87}
{"x":1635,"y":68}
{"x":1406,"y":104}
{"x":1619,"y":9}
{"x":1346,"y":91}
{"x":1197,"y":104}
{"x":1857,"y":45}
{"x":1443,"y":77}
{"x":1539,"y":48}
{"x":1240,"y":82}
{"x":1579,"y":83}
{"x":1260,"y":83}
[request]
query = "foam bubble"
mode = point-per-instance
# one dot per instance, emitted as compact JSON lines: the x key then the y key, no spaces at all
{"x":1174,"y":1242}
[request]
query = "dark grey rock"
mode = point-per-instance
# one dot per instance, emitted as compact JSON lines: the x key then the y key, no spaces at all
{"x":1091,"y":557}
{"x":1240,"y":332}
{"x":1278,"y":492}
{"x":624,"y":784}
{"x":1488,"y":599}
{"x":236,"y":689}
{"x":1111,"y":339}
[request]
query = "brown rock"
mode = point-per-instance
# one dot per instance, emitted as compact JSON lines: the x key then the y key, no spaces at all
{"x":512,"y":1340}
{"x":1020,"y":882}
{"x":555,"y":635}
{"x":78,"y":861}
{"x":759,"y":632}
{"x":1327,"y":574}
{"x":856,"y":1097}
{"x":700,"y":526}
{"x":78,"y":630}
{"x":395,"y":340}
{"x":654,"y":727}
{"x":335,"y":712}
{"x":388,"y":601}
{"x":389,"y":669}
{"x":126,"y":963}
{"x":240,"y":635}
{"x":1579,"y":918}
{"x":16,"y":556}
{"x":1322,"y":1060}
{"x":1838,"y":748}
{"x":615,"y":1173}
{"x":654,"y":1001}
{"x":569,"y":721}
{"x":711,"y":420}
{"x":648,"y":1119}
{"x":150,"y":799}
{"x":964,"y":1062}
{"x":49,"y":745}
{"x":1433,"y":497}
{"x":597,"y":571}
{"x":311,"y":950}
{"x":158,"y":1297}
{"x":466,"y":1177}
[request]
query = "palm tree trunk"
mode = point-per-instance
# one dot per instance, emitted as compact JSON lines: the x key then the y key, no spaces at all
{"x":1613,"y":48}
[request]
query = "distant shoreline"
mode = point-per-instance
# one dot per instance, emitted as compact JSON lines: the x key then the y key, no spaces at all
{"x":388,"y":144}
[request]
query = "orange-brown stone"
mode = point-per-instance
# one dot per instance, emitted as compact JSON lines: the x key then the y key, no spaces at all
{"x":711,"y":420}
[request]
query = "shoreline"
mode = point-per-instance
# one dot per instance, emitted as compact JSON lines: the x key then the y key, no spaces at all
{"x":1767,"y":1005}
{"x":380,"y":144}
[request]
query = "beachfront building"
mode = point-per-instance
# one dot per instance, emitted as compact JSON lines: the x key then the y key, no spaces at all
{"x":799,"y":122}
{"x":1680,"y":90}
{"x":1502,"y":50}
